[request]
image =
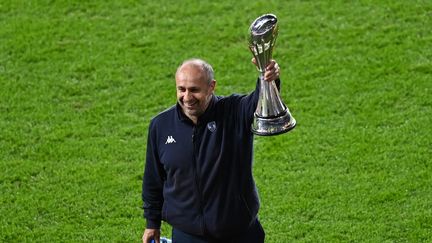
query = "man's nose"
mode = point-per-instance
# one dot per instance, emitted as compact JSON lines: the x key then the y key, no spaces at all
{"x":187,"y":96}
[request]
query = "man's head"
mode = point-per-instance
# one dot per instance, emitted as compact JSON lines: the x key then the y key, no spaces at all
{"x":195,"y":85}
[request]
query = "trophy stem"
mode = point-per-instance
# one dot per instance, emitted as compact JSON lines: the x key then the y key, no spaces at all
{"x":271,"y":116}
{"x":269,"y":102}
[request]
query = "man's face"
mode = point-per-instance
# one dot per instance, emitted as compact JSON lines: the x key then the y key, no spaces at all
{"x":193,"y":91}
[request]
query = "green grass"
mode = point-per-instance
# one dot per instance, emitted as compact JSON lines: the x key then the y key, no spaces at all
{"x":80,"y":81}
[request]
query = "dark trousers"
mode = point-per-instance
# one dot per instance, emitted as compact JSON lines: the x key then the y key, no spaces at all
{"x":254,"y":234}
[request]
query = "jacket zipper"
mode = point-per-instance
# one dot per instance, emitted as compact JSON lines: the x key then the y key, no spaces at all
{"x":197,"y":181}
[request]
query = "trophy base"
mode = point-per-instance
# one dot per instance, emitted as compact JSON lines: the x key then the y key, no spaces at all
{"x":263,"y":126}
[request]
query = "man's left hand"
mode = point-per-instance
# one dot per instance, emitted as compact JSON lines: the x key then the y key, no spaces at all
{"x":272,"y":71}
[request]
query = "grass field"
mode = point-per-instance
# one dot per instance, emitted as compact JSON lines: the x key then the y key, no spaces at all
{"x":80,"y":81}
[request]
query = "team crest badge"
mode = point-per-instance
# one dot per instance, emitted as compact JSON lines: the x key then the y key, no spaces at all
{"x":211,"y":126}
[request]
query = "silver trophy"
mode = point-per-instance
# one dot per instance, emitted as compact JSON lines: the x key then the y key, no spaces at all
{"x":272,"y":116}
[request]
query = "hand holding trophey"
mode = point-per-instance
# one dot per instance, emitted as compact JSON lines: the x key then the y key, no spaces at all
{"x":272,"y":71}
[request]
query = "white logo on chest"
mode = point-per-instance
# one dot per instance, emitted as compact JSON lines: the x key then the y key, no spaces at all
{"x":170,"y":139}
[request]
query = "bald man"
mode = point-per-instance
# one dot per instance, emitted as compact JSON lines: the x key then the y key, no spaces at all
{"x":198,"y":172}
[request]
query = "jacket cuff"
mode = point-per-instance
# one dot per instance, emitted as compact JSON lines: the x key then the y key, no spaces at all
{"x":278,"y":83}
{"x":153,"y":224}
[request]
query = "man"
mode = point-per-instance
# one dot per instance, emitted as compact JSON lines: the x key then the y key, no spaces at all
{"x":198,"y":173}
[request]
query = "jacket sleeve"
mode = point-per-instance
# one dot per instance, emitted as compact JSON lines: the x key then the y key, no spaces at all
{"x":152,"y":187}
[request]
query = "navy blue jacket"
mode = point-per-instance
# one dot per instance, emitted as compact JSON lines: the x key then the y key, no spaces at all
{"x":198,"y":178}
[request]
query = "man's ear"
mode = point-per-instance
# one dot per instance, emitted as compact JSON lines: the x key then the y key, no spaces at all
{"x":212,"y":85}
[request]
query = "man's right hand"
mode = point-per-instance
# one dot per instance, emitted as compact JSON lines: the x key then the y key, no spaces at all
{"x":151,"y":234}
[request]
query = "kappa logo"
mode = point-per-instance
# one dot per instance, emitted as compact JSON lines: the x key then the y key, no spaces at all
{"x":170,"y":139}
